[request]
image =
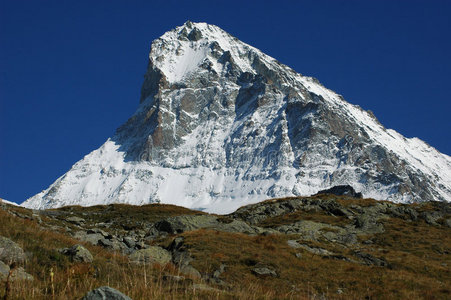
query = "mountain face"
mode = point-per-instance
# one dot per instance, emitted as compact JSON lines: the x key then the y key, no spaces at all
{"x":221,"y":125}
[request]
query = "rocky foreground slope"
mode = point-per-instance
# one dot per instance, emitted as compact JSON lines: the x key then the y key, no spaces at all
{"x":221,"y":124}
{"x":324,"y":246}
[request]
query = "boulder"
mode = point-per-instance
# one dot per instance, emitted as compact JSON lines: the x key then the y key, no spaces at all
{"x":368,"y":259}
{"x":4,"y":271}
{"x":129,"y":241}
{"x":151,"y":255}
{"x":10,"y":252}
{"x":19,"y":274}
{"x":76,"y":220}
{"x":189,"y":270}
{"x":179,"y":224}
{"x":264,"y":270}
{"x":92,"y":238}
{"x":78,"y":253}
{"x":342,"y":190}
{"x":105,"y":293}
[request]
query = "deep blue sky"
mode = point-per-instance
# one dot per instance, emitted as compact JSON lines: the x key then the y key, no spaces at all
{"x":71,"y":72}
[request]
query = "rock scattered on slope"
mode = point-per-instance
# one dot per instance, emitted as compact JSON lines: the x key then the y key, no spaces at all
{"x":151,"y":255}
{"x":4,"y":271}
{"x":264,"y":270}
{"x":19,"y":274}
{"x":10,"y":252}
{"x":105,"y":293}
{"x":78,"y":253}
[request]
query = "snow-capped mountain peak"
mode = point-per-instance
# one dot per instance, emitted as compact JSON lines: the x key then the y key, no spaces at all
{"x":221,"y":124}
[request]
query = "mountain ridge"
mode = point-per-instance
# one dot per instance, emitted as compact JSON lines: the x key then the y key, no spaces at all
{"x":220,"y":124}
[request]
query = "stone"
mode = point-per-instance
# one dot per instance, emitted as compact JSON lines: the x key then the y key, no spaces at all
{"x":195,"y":35}
{"x":92,"y":238}
{"x":4,"y":271}
{"x":179,"y":224}
{"x":317,"y":251}
{"x":368,"y":259}
{"x":129,"y":241}
{"x":293,"y":244}
{"x":105,"y":293}
{"x":19,"y":274}
{"x":76,"y":220}
{"x":368,"y":224}
{"x":342,"y":190}
{"x":219,"y":271}
{"x":10,"y":252}
{"x":190,"y":271}
{"x":97,"y":230}
{"x":263,"y":270}
{"x":151,"y":255}
{"x":78,"y":253}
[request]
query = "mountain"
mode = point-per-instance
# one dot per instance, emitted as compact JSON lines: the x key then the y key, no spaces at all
{"x":220,"y":124}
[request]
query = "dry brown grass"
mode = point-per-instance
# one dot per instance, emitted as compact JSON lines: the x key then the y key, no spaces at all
{"x":419,"y":256}
{"x":296,"y":216}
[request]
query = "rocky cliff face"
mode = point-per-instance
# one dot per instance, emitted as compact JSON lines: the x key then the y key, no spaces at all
{"x":220,"y":124}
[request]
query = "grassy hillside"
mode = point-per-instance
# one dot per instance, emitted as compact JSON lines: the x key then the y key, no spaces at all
{"x":321,"y":247}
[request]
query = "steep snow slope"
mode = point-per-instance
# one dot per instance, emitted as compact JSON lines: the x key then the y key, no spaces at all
{"x":221,"y":125}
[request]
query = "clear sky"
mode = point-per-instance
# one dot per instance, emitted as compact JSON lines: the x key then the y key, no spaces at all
{"x":71,"y":72}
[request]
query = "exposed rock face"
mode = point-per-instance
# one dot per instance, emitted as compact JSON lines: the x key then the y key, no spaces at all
{"x":78,"y":253}
{"x":10,"y":252}
{"x":180,"y":224}
{"x":342,"y":190}
{"x":221,"y":124}
{"x":105,"y":293}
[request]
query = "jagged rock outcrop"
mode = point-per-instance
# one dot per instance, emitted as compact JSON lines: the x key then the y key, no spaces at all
{"x":220,"y":124}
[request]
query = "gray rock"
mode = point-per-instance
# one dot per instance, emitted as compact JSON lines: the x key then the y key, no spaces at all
{"x":129,"y":241}
{"x":317,"y":251}
{"x":431,"y":217}
{"x":368,"y":224}
{"x":97,"y":230}
{"x":293,"y":244}
{"x":179,"y":224}
{"x":368,"y":259}
{"x":190,"y":271}
{"x":78,"y":253}
{"x":173,"y":278}
{"x":10,"y":252}
{"x":105,"y":293}
{"x":111,"y":244}
{"x":263,"y":270}
{"x":219,"y":271}
{"x":195,"y":35}
{"x":448,"y":222}
{"x":19,"y":274}
{"x":181,"y":258}
{"x":151,"y":255}
{"x":342,"y":190}
{"x":76,"y":220}
{"x":4,"y":271}
{"x":92,"y":238}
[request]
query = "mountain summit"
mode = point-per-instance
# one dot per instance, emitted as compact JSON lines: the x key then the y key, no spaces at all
{"x":220,"y":125}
